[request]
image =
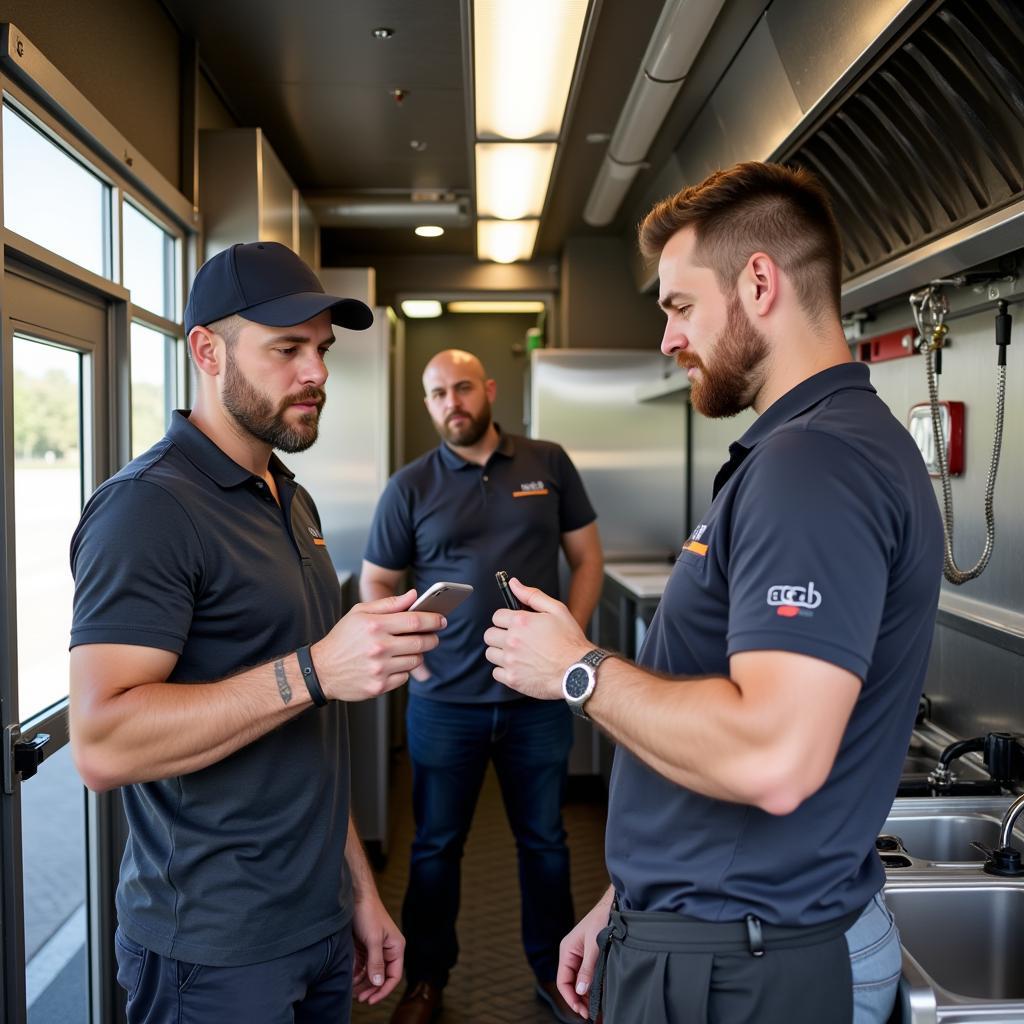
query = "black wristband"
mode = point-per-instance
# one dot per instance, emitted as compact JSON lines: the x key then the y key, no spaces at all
{"x":305,"y":660}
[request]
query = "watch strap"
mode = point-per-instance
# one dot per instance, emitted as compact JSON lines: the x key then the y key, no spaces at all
{"x":594,"y":657}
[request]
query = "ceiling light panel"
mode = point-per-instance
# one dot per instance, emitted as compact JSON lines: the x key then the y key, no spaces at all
{"x":505,"y":241}
{"x":512,"y":178}
{"x":421,"y":309}
{"x":496,"y":306}
{"x":524,"y":52}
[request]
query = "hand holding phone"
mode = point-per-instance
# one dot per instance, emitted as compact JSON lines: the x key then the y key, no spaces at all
{"x":441,"y":598}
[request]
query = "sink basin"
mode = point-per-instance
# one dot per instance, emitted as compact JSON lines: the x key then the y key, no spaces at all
{"x":968,"y":941}
{"x":945,"y":837}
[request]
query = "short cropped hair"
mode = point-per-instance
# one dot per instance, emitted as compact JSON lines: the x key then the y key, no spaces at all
{"x":757,"y":207}
{"x":228,"y":328}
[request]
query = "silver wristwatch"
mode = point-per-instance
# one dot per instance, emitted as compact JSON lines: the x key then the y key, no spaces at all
{"x":580,"y":680}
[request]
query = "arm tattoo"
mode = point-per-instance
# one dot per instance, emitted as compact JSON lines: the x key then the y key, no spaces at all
{"x":282,"y":681}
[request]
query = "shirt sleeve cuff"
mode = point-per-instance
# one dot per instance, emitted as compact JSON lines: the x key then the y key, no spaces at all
{"x":766,"y":640}
{"x":131,"y":635}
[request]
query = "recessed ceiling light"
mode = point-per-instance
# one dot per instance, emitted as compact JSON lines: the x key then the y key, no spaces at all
{"x":524,"y":56}
{"x":383,"y":33}
{"x":429,"y":231}
{"x":512,"y":178}
{"x":421,"y":309}
{"x":505,"y":241}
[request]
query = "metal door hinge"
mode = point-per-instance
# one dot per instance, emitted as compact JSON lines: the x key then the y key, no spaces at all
{"x":22,"y":757}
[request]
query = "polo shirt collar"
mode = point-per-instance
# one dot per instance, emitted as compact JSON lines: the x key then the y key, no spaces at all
{"x":209,"y":459}
{"x":451,"y":458}
{"x":808,"y":393}
{"x":843,"y":377}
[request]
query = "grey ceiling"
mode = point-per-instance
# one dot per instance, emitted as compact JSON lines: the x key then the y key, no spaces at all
{"x":313,"y":77}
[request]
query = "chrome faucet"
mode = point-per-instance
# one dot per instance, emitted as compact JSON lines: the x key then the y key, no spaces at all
{"x":1005,"y":860}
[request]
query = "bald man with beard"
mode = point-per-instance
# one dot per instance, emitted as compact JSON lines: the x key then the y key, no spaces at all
{"x":483,"y":500}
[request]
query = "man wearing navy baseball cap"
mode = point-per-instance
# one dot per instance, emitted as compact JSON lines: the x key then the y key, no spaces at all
{"x":210,"y":670}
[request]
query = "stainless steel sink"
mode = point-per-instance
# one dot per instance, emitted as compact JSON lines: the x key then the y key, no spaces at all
{"x":963,"y":947}
{"x":940,"y":830}
{"x":968,"y":940}
{"x":945,"y":837}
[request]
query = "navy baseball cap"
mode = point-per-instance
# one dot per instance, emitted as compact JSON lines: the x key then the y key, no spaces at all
{"x":267,"y":283}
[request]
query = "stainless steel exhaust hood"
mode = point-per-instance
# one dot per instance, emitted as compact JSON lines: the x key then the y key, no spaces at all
{"x":913,"y":116}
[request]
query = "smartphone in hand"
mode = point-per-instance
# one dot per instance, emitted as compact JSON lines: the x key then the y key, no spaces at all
{"x":442,"y":598}
{"x":506,"y":591}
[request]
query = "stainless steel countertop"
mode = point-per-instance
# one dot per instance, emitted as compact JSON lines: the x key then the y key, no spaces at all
{"x":645,"y":580}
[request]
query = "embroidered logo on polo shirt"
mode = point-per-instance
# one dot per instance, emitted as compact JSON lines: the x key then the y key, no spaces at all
{"x":791,"y":601}
{"x":530,"y":489}
{"x":317,"y":539}
{"x":694,"y":543}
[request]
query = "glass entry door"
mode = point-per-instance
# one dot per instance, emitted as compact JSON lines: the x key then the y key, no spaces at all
{"x":54,"y":423}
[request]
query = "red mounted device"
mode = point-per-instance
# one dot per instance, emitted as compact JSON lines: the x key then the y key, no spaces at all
{"x":892,"y":345}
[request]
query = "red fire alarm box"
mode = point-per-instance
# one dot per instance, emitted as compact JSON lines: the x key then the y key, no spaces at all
{"x":920,"y":427}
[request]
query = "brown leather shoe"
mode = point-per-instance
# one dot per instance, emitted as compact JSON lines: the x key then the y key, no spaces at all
{"x":547,"y":993}
{"x":421,"y":1004}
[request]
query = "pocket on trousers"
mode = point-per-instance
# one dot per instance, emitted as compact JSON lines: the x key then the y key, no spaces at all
{"x":131,"y":957}
{"x":875,"y":955}
{"x":186,"y":974}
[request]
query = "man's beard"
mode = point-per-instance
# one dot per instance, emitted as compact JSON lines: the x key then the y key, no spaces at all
{"x":255,"y":413}
{"x":466,"y":435}
{"x":730,"y":381}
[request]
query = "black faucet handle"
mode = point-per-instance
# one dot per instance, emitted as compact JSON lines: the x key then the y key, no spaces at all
{"x":1004,"y":861}
{"x":1004,"y":757}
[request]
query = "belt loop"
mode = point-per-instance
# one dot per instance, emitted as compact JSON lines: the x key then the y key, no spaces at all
{"x":755,"y":938}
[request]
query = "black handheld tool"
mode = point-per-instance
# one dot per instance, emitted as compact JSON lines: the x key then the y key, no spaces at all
{"x":506,"y":591}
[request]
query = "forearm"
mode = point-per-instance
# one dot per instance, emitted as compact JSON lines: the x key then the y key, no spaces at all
{"x":699,"y":733}
{"x":158,"y":730}
{"x":373,"y":590}
{"x":363,"y":884}
{"x":585,"y":585}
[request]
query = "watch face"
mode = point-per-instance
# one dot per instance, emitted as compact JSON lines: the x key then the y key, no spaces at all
{"x":576,"y":682}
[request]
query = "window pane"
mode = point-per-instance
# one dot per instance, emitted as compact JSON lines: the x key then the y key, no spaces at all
{"x":148,"y":263}
{"x":47,"y":504}
{"x":53,"y":831}
{"x":153,"y":376}
{"x":51,"y":198}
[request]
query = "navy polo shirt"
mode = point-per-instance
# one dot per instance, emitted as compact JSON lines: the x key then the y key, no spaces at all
{"x":824,"y":539}
{"x":449,"y":519}
{"x":186,"y":551}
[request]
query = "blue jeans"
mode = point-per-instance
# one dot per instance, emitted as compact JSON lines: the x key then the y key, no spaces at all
{"x":311,"y":986}
{"x":875,"y":962}
{"x":450,"y":746}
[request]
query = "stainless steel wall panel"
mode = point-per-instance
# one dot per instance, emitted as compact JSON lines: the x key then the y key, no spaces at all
{"x":754,"y":130}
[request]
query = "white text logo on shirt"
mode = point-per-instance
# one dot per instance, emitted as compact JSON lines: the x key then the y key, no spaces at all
{"x":531,"y":488}
{"x":794,"y":600}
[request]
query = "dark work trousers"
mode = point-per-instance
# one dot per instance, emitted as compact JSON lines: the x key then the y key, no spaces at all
{"x":669,"y":969}
{"x":310,"y":986}
{"x":450,"y":746}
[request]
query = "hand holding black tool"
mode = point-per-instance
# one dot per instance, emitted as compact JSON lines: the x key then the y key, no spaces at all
{"x":506,"y":591}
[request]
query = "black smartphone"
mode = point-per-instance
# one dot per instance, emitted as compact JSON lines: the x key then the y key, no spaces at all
{"x":506,"y":591}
